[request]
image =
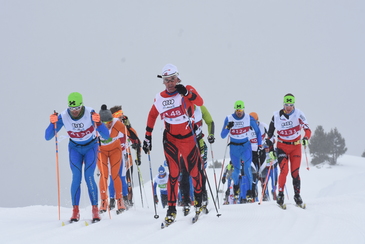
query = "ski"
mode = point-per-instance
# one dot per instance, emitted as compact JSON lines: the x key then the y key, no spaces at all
{"x":282,"y":206}
{"x":195,"y":218}
{"x":303,"y":206}
{"x":166,"y":224}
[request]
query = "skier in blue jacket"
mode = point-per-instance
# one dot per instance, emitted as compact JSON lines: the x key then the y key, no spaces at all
{"x":238,"y":125}
{"x":82,"y":125}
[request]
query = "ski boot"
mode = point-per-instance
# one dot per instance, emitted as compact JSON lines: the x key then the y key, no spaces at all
{"x":95,"y":214}
{"x":111,"y":203}
{"x":298,"y":200}
{"x":120,"y":205}
{"x":186,"y":208}
{"x":280,"y":200}
{"x":75,"y":214}
{"x":170,"y":216}
{"x":249,"y":196}
{"x":103,"y":205}
{"x":205,"y":201}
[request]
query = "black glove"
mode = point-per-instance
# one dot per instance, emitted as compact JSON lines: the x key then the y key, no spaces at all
{"x":155,"y":198}
{"x":305,"y":141}
{"x":211,"y":139}
{"x":181,"y":89}
{"x":224,"y":180}
{"x":230,"y":125}
{"x":147,"y":144}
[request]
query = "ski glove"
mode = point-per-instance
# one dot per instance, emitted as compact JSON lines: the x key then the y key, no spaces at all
{"x":155,"y":198}
{"x":53,"y":118}
{"x":224,"y":180}
{"x":181,"y":89}
{"x":211,"y":138}
{"x":230,"y":125}
{"x":147,"y":144}
{"x":305,"y":141}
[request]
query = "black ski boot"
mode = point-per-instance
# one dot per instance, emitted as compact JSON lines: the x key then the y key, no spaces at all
{"x":298,"y":200}
{"x":280,"y":198}
{"x":170,"y":216}
{"x":186,"y":209}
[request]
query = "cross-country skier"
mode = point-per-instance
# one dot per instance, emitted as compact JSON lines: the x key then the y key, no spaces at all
{"x":257,"y":159}
{"x":175,"y":105}
{"x":81,"y":124}
{"x":269,"y":163}
{"x":111,"y":157}
{"x":126,"y":169}
{"x":227,"y":177}
{"x":288,"y":122}
{"x":238,"y":125}
{"x":161,"y":181}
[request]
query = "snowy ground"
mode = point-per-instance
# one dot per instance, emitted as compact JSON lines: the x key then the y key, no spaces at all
{"x":335,"y":198}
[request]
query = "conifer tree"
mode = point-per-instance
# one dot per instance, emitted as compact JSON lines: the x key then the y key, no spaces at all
{"x":337,"y":145}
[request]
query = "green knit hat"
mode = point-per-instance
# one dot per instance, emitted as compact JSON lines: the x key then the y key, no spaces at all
{"x":74,"y":99}
{"x":239,"y":105}
{"x":289,"y":98}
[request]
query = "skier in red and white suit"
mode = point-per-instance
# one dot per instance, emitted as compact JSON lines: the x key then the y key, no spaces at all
{"x":288,"y":122}
{"x":175,"y":105}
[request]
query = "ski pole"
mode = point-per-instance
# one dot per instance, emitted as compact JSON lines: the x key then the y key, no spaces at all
{"x":57,"y":171}
{"x":306,"y":157}
{"x":265,"y":184}
{"x":154,"y":203}
{"x":215,"y":177}
{"x":224,"y":159}
{"x":140,"y":187}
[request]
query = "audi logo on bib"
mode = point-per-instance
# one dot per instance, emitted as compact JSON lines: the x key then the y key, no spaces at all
{"x":168,"y":102}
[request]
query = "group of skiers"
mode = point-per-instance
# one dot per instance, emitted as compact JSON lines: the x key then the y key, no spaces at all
{"x":98,"y":139}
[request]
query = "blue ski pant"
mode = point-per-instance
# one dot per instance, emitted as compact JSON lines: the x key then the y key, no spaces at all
{"x":87,"y":155}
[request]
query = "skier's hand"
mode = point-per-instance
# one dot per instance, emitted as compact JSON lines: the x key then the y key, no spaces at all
{"x":230,"y":125}
{"x":305,"y":141}
{"x":155,"y":199}
{"x":53,"y":118}
{"x":147,"y":144}
{"x":211,"y":139}
{"x":181,"y":89}
{"x":224,"y":180}
{"x":95,"y":117}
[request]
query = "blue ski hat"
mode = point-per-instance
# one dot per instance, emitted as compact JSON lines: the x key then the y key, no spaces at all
{"x":161,"y":170}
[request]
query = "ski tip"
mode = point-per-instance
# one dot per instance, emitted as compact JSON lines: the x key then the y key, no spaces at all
{"x":63,"y":223}
{"x":162,"y":225}
{"x":86,"y":224}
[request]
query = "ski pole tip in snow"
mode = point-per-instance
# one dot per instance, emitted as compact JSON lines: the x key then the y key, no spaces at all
{"x":218,"y":215}
{"x":156,"y":216}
